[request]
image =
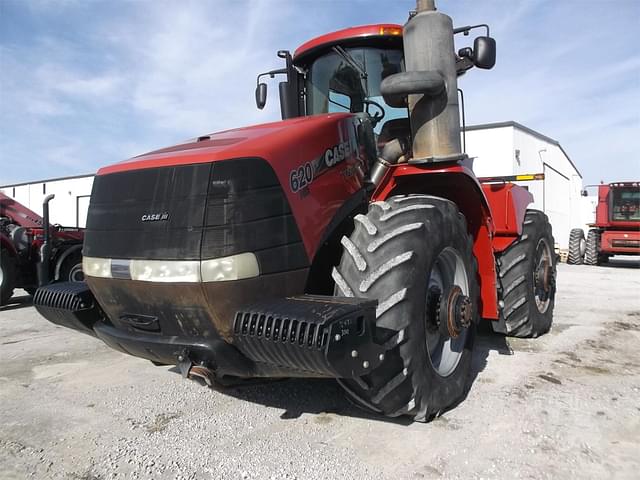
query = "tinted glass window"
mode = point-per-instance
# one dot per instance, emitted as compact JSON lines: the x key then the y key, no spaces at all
{"x":626,"y":204}
{"x":334,"y":84}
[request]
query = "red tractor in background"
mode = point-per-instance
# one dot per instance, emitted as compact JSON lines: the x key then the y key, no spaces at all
{"x":616,"y":230}
{"x":32,"y":253}
{"x":351,"y":240}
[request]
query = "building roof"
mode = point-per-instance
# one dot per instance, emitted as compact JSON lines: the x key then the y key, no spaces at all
{"x":519,"y":126}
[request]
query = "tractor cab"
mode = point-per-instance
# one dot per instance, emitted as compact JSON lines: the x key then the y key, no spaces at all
{"x":343,"y":72}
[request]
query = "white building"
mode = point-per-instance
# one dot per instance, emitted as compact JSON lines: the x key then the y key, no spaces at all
{"x":68,"y":208}
{"x":499,"y":149}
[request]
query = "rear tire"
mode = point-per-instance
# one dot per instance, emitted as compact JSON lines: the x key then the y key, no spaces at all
{"x":401,"y":253}
{"x":526,"y":275}
{"x":592,"y":254}
{"x":71,"y":270}
{"x":7,"y":276}
{"x":577,"y":247}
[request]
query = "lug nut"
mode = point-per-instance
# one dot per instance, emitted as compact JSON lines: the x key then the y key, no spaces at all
{"x":337,"y":337}
{"x":354,"y":353}
{"x":180,"y":358}
{"x":381,"y":356}
{"x":365,"y":364}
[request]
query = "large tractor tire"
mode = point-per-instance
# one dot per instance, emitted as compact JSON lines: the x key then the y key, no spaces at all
{"x":592,"y":253}
{"x":71,"y":268}
{"x":526,"y":275}
{"x":577,"y":247}
{"x":7,"y":276}
{"x":414,"y":255}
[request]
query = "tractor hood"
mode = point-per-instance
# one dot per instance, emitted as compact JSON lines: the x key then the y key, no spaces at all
{"x":185,"y":235}
{"x":157,"y":205}
{"x":299,"y":136}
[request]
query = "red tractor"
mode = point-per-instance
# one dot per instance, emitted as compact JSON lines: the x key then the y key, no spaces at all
{"x":32,"y":253}
{"x":616,"y":230}
{"x":351,"y":240}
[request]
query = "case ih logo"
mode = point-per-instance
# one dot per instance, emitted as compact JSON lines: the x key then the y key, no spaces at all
{"x":155,"y":217}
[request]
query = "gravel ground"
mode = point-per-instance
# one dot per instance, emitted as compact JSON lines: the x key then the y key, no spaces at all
{"x":562,"y":406}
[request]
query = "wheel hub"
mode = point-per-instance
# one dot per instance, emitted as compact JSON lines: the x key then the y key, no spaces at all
{"x":454,"y":311}
{"x":544,"y":275}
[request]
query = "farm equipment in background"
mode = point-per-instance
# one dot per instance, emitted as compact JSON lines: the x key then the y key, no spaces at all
{"x":33,"y":253}
{"x":351,"y":240}
{"x":616,"y":230}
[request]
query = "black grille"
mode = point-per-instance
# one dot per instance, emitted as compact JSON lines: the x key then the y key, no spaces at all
{"x":115,"y":228}
{"x":626,"y":243}
{"x":212,"y":210}
{"x":247,"y":211}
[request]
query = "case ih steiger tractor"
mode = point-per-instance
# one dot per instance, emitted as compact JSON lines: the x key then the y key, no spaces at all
{"x":350,"y":240}
{"x":616,"y":230}
{"x":32,"y":252}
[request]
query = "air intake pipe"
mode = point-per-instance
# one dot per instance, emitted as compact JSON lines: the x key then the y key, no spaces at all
{"x":429,"y":86}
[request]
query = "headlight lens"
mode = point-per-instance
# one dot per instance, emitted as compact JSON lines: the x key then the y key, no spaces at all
{"x":235,"y":267}
{"x":96,"y":267}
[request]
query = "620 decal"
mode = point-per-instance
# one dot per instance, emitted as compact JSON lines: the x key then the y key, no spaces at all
{"x":301,"y":177}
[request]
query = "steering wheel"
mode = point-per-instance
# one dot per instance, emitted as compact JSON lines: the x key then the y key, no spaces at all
{"x":375,"y":119}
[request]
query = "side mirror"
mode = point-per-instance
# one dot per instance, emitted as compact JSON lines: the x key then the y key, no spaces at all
{"x":261,"y":95}
{"x":484,"y":52}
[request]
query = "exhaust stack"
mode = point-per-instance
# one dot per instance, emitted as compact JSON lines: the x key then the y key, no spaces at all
{"x":435,"y":120}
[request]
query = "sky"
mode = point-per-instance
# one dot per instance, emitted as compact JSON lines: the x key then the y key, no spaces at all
{"x":86,"y":83}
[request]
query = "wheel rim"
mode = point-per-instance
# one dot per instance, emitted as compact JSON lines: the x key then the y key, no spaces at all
{"x":444,"y":351}
{"x":543,"y":275}
{"x":1,"y":276}
{"x":76,"y":274}
{"x":583,"y":247}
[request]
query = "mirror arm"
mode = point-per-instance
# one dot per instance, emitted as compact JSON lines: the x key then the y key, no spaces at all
{"x":271,"y":73}
{"x":465,"y":30}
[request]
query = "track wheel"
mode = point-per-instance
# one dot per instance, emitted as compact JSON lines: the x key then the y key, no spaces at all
{"x":7,"y":276}
{"x":527,"y":271}
{"x":592,"y":254}
{"x":577,"y":247}
{"x":413,"y":254}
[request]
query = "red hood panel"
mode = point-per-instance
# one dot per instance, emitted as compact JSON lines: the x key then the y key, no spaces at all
{"x":19,"y":213}
{"x":254,"y":141}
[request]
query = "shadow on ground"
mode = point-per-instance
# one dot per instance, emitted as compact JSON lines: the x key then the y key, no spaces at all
{"x":625,"y":262}
{"x":17,"y":302}
{"x":297,"y":396}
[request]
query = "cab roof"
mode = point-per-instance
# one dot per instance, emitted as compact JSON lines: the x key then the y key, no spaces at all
{"x":382,"y":31}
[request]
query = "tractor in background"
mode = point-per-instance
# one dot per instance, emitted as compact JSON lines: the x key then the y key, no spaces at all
{"x":616,"y":230}
{"x":34,"y":253}
{"x":351,"y":240}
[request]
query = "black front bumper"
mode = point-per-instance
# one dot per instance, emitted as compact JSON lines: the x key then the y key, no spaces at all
{"x":300,"y":336}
